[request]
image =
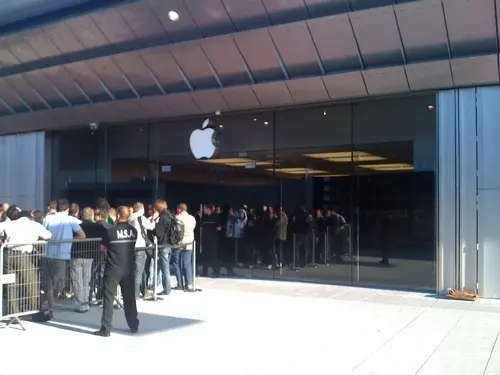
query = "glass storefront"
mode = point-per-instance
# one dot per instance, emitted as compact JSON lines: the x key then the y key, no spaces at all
{"x":332,"y":194}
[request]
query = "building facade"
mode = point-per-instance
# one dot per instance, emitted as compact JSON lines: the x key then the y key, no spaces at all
{"x":350,"y":105}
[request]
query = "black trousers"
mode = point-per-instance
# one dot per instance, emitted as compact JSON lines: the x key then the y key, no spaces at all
{"x":127,"y":284}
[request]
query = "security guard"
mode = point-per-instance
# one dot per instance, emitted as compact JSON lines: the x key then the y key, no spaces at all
{"x":119,"y":243}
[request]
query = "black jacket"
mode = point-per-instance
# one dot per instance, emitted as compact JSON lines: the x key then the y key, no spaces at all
{"x":162,"y":227}
{"x":89,"y":249}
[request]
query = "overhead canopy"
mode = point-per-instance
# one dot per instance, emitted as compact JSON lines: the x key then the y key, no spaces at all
{"x":130,"y":62}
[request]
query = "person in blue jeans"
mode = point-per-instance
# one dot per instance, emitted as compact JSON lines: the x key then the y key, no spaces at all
{"x":183,"y":264}
{"x":163,"y":220}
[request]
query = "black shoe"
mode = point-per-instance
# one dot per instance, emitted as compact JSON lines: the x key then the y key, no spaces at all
{"x":177,"y":288}
{"x":134,"y":330}
{"x":189,"y":290}
{"x":102,"y":332}
{"x":164,"y":293}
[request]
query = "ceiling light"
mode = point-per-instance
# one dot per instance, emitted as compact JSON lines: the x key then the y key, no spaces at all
{"x":173,"y":16}
{"x":255,"y":119}
{"x":235,"y":162}
{"x":430,"y":107}
{"x":345,"y":156}
{"x":221,"y":126}
{"x":388,"y":167}
{"x":266,"y":123}
{"x":298,"y":171}
{"x":324,"y":113}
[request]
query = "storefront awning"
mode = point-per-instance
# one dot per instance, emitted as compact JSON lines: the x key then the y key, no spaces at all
{"x":130,"y":63}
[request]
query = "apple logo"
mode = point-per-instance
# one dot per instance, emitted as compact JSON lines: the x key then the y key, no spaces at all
{"x":204,"y":142}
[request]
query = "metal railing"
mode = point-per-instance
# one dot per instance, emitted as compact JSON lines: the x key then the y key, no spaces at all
{"x":38,"y":273}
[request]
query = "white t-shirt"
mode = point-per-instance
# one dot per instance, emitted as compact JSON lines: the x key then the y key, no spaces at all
{"x":24,"y":231}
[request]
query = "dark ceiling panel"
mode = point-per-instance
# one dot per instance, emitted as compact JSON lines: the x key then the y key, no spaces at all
{"x":24,"y":89}
{"x":307,"y":90}
{"x":209,"y":101}
{"x":88,"y":80}
{"x":471,"y":26}
{"x":74,"y":116}
{"x":113,"y":26}
{"x":104,"y":113}
{"x":422,"y":43}
{"x":248,"y":14}
{"x":193,"y":62}
{"x":43,"y":85}
{"x":127,"y":110}
{"x":11,"y":97}
{"x":259,"y":53}
{"x":273,"y":93}
{"x":41,"y":43}
{"x":322,"y":8}
{"x":65,"y":83}
{"x":335,"y":42}
{"x":386,"y":80}
{"x":18,"y":46}
{"x":182,"y":104}
{"x":240,"y":97}
{"x":155,"y":106}
{"x":368,"y":4}
{"x":4,"y":111}
{"x":63,"y":38}
{"x":106,"y":69}
{"x":183,"y":29}
{"x":378,"y":37}
{"x":210,"y":16}
{"x":164,"y":67}
{"x":134,"y":68}
{"x":7,"y":58}
{"x":286,"y":11}
{"x":87,"y":32}
{"x":142,"y":20}
{"x":296,"y":48}
{"x":475,"y":70}
{"x":429,"y":75}
{"x":345,"y":85}
{"x":226,"y":60}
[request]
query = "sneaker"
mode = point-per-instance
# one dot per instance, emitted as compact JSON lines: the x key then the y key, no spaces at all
{"x":82,"y":309}
{"x":102,"y":332}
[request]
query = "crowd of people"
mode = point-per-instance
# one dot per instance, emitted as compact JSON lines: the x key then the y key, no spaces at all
{"x":75,"y":260}
{"x":101,"y":247}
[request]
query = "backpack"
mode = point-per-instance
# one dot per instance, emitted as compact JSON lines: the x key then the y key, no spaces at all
{"x":175,"y":232}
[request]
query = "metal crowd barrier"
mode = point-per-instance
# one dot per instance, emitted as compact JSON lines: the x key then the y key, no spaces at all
{"x":33,"y":273}
{"x":310,"y":249}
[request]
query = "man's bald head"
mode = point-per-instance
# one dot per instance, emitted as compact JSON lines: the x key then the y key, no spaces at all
{"x":123,"y":214}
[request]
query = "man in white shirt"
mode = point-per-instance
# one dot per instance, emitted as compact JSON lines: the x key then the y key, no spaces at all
{"x":63,"y":228}
{"x":142,"y":225}
{"x":184,"y":265}
{"x":22,"y":259}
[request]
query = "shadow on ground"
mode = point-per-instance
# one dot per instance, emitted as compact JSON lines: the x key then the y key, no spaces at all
{"x":91,"y":321}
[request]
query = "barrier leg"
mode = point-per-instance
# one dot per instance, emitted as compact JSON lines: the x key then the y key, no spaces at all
{"x":155,"y":272}
{"x":294,"y":255}
{"x":326,"y":252}
{"x":194,"y":268}
{"x":236,"y":252}
{"x":281,"y":258}
{"x":313,"y":249}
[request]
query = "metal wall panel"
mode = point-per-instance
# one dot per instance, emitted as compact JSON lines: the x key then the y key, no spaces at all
{"x":467,"y":180}
{"x":143,"y":22}
{"x":23,"y":152}
{"x":489,"y":190}
{"x":447,"y":241}
{"x":210,"y":16}
{"x":429,"y":75}
{"x":113,"y":26}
